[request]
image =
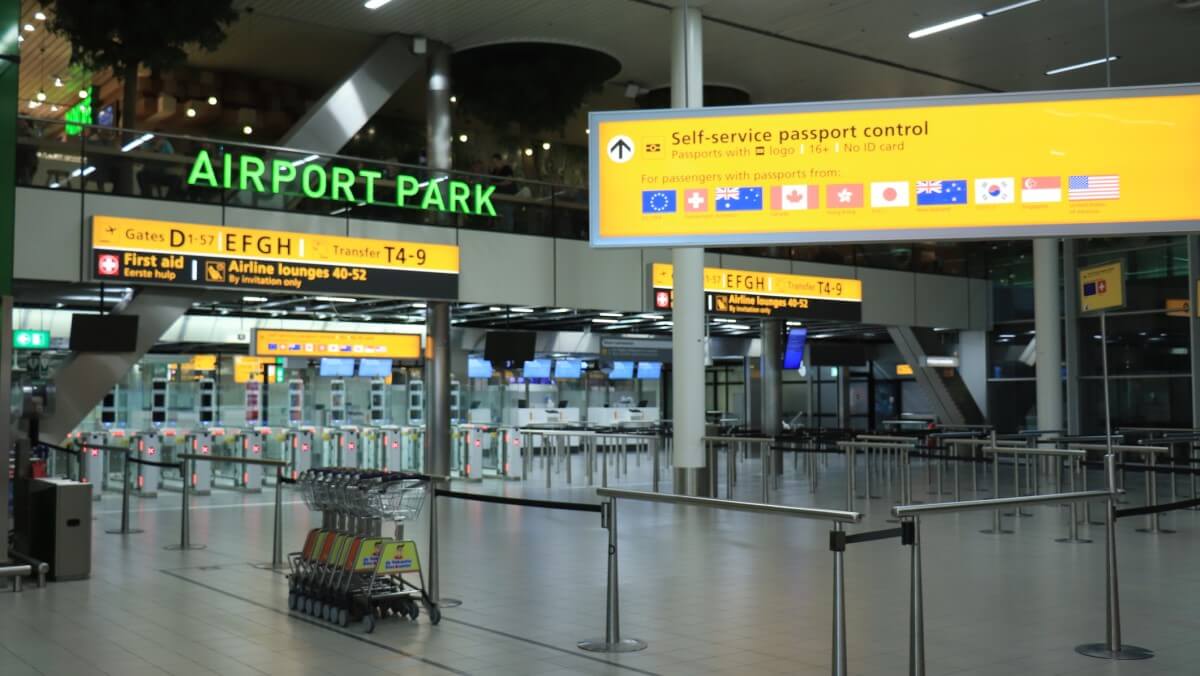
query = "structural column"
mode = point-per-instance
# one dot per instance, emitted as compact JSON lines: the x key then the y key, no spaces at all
{"x":1193,"y":243}
{"x":687,"y":338}
{"x":437,"y":321}
{"x":10,"y":11}
{"x":1047,"y":313}
{"x":1071,"y":337}
{"x":771,"y":376}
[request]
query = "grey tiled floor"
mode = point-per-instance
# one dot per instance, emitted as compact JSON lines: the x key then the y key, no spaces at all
{"x":712,"y":593}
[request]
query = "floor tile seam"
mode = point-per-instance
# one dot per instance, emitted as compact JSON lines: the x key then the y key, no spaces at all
{"x":322,"y":626}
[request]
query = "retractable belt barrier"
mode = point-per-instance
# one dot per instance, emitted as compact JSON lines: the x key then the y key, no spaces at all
{"x":613,"y":642}
{"x":186,"y":465}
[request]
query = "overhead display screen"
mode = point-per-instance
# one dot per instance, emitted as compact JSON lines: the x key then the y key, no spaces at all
{"x":992,"y":166}
{"x":765,"y":294}
{"x":649,"y":370}
{"x":182,"y":254}
{"x":336,"y":368}
{"x":287,"y":343}
{"x":621,"y":370}
{"x":536,"y":368}
{"x":793,"y":352}
{"x":375,"y":368}
{"x":568,"y":368}
{"x":478,"y":368}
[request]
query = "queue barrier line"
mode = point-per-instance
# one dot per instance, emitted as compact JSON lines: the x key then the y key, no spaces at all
{"x":519,"y":502}
{"x":1111,"y":648}
{"x":187,"y":463}
{"x":838,"y":519}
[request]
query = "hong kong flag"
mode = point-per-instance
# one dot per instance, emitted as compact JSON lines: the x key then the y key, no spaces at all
{"x":794,"y":197}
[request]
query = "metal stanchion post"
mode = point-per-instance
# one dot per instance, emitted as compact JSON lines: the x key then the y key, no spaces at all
{"x":766,"y":471}
{"x":850,"y":468}
{"x":547,"y":460}
{"x":277,"y":541}
{"x":125,"y":529}
{"x":997,"y":528}
{"x":435,"y":590}
{"x":1112,"y":648}
{"x":612,"y":641}
{"x":526,"y":456}
{"x":604,"y":463}
{"x":186,"y":470}
{"x":1073,"y":523}
{"x":867,"y":474}
{"x":916,"y":606}
{"x":652,"y":444}
{"x":730,"y":463}
{"x":1152,"y":520}
{"x":840,"y":666}
{"x":566,"y":444}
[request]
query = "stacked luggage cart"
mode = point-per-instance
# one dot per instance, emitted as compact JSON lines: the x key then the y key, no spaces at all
{"x":348,"y":571}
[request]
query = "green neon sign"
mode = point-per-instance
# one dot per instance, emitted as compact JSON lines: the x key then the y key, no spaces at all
{"x":26,"y":339}
{"x":340,"y":184}
{"x":80,"y":113}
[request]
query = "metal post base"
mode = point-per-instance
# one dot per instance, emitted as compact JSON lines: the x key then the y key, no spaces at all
{"x":625,"y":645}
{"x":180,"y":548}
{"x":118,"y":531}
{"x":1155,"y":531}
{"x":267,"y":565}
{"x":447,"y":602}
{"x":1102,"y":651}
{"x":1073,"y":540}
{"x":989,"y":531}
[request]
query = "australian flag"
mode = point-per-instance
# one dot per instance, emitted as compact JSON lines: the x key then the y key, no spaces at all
{"x":658,"y":201}
{"x":941,"y":192}
{"x":739,"y":199}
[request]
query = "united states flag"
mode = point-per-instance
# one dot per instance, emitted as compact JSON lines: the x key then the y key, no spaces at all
{"x":1107,"y":187}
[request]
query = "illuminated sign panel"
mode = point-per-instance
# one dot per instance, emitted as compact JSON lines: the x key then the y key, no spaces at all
{"x":1101,"y":287}
{"x":183,"y":254}
{"x":250,"y":369}
{"x":1097,"y":162}
{"x":28,"y":339}
{"x":765,"y":294}
{"x":286,"y":343}
{"x":309,"y":177}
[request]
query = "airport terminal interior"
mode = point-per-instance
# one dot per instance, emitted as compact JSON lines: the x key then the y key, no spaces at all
{"x":546,"y":337}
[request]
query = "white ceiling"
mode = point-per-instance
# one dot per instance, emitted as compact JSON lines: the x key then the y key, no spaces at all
{"x":757,"y":45}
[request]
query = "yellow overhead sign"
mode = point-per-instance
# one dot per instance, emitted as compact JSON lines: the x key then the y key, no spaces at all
{"x":285,"y":343}
{"x":185,"y":254}
{"x":250,"y":369}
{"x":961,"y":167}
{"x":904,"y":370}
{"x":1101,"y":287}
{"x":766,"y":294}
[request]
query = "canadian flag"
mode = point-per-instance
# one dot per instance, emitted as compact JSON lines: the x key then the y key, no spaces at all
{"x":794,"y":197}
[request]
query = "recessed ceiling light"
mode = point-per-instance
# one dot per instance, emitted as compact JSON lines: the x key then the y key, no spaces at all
{"x":599,"y":320}
{"x":462,"y":138}
{"x":523,"y":310}
{"x":375,"y":4}
{"x":546,"y":145}
{"x":83,"y":93}
{"x":191,"y":112}
{"x":1085,"y":64}
{"x":453,"y":99}
{"x":54,"y":108}
{"x":1007,"y":8}
{"x":529,"y":152}
{"x":496,"y":308}
{"x":247,"y":130}
{"x":58,"y":81}
{"x":29,"y":28}
{"x":39,"y":15}
{"x":611,"y":314}
{"x":212,"y":100}
{"x":336,"y":299}
{"x":651,"y":316}
{"x":254,"y":299}
{"x":560,"y":310}
{"x":945,"y":26}
{"x":419,"y":305}
{"x":41,"y":95}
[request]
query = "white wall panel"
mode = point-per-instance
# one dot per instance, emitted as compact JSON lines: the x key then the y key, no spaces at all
{"x":500,"y":268}
{"x":600,"y":279}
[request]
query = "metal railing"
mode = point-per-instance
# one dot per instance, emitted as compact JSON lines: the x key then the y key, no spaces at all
{"x":187,"y":463}
{"x":905,"y":466}
{"x":913,"y":513}
{"x":733,"y":447}
{"x":838,"y":518}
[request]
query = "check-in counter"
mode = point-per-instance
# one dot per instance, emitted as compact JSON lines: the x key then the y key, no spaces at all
{"x":479,"y":416}
{"x":604,"y":416}
{"x":523,"y":417}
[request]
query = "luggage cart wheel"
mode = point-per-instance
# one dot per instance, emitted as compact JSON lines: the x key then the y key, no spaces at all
{"x":435,"y":614}
{"x":368,"y":621}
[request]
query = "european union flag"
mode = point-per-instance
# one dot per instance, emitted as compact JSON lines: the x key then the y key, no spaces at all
{"x":1089,"y":289}
{"x":658,"y":201}
{"x":941,"y":192}
{"x":739,"y":199}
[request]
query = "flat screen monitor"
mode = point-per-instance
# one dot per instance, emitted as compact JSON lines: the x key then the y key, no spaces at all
{"x":338,"y":367}
{"x":375,"y":368}
{"x":478,"y":368}
{"x":793,"y":351}
{"x":568,"y":368}
{"x":621,"y":370}
{"x":649,"y":370}
{"x":536,"y":368}
{"x":103,"y":333}
{"x":509,"y":347}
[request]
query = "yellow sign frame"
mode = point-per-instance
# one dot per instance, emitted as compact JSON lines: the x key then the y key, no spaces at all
{"x":1095,"y":134}
{"x":345,"y":344}
{"x":1102,"y":287}
{"x":728,"y":280}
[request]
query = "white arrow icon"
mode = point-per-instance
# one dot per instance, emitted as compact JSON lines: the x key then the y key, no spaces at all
{"x":620,"y":149}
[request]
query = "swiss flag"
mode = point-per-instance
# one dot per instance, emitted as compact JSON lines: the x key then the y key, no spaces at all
{"x":108,"y":265}
{"x":794,"y":197}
